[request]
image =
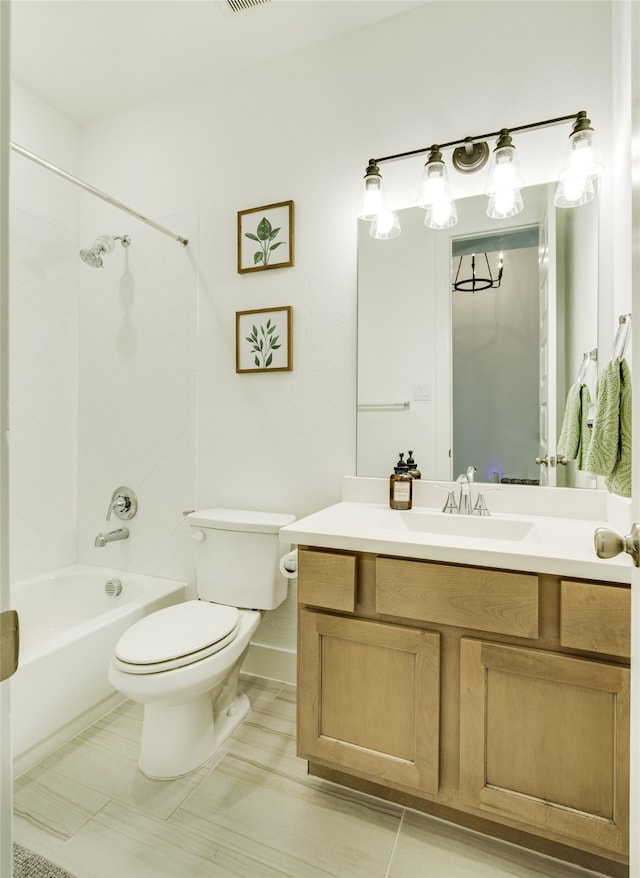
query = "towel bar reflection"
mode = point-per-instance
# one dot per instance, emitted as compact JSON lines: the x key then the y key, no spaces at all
{"x":388,"y":406}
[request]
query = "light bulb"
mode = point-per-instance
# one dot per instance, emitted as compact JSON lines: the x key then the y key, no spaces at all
{"x":580,"y":169}
{"x":385,"y":225}
{"x":504,"y":183}
{"x":505,"y":202}
{"x":372,"y":200}
{"x":434,"y":193}
{"x":442,"y":214}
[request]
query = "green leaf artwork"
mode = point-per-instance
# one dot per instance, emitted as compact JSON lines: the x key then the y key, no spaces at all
{"x":265,"y":233}
{"x":263,"y":343}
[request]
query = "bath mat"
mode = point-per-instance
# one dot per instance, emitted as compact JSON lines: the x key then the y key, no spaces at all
{"x":26,"y":864}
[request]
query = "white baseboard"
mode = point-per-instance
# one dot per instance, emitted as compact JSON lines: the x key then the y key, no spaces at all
{"x":271,"y":663}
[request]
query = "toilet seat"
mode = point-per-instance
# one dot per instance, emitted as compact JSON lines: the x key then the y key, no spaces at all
{"x":176,"y":636}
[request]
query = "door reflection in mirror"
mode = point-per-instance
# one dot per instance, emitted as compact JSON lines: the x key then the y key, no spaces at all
{"x":495,"y":363}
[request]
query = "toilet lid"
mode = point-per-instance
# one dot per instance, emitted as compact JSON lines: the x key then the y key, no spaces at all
{"x":176,"y":632}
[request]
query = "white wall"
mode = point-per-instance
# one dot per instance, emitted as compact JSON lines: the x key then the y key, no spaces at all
{"x":43,"y":326}
{"x":283,"y":441}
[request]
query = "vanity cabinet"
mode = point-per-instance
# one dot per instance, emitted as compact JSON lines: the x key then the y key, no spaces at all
{"x":544,"y":739}
{"x":370,"y":699}
{"x":493,"y":698}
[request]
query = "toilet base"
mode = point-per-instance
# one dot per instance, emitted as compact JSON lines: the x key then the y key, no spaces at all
{"x":178,"y":739}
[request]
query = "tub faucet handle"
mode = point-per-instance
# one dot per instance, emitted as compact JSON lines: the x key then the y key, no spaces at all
{"x":123,"y":504}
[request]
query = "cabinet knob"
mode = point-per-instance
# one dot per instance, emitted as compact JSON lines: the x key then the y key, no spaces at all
{"x":608,"y":543}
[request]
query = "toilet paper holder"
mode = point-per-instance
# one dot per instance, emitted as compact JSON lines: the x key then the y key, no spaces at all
{"x":289,"y":564}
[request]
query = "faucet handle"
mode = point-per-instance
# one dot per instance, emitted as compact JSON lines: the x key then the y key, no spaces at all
{"x":118,"y":504}
{"x":124,"y":503}
{"x":450,"y":507}
{"x":481,"y":507}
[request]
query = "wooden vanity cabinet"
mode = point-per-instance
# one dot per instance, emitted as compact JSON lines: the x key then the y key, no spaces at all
{"x":544,"y":739}
{"x":369,"y":697}
{"x":493,"y":698}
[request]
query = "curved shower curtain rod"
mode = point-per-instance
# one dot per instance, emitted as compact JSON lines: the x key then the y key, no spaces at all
{"x":113,"y":201}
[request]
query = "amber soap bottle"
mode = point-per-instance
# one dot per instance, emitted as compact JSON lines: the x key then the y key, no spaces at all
{"x":400,"y":486}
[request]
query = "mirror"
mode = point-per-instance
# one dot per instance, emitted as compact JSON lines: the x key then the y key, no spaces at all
{"x":476,"y":378}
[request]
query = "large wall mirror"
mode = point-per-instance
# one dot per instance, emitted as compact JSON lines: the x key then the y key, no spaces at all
{"x":466,"y":377}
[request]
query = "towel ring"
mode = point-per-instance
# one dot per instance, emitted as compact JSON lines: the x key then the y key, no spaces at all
{"x":586,"y":359}
{"x":621,"y":340}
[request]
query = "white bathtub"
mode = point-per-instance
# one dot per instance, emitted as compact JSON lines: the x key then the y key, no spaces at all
{"x":69,"y":627}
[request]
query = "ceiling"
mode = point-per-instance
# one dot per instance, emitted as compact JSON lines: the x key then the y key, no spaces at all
{"x":93,"y":58}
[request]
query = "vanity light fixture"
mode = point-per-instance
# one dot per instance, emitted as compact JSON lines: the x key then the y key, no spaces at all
{"x":373,"y":205}
{"x":473,"y":283}
{"x":372,"y":200}
{"x":581,"y":167}
{"x":504,"y":182}
{"x":434,"y":193}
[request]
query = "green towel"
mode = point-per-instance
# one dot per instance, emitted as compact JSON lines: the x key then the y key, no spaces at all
{"x":575,"y":434}
{"x":610,"y":449}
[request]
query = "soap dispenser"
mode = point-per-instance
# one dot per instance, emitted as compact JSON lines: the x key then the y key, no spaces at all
{"x":412,"y":467}
{"x":400,"y":486}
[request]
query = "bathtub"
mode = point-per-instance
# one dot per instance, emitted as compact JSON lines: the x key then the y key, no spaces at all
{"x":69,"y":627}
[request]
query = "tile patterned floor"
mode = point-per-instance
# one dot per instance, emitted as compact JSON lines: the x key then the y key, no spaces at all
{"x":250,"y":812}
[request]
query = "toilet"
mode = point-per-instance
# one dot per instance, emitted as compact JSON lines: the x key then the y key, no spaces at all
{"x":183,"y":662}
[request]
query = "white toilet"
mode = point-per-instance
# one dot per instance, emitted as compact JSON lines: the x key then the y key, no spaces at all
{"x":183,"y":662}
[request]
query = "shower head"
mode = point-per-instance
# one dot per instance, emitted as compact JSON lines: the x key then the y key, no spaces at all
{"x":104,"y":244}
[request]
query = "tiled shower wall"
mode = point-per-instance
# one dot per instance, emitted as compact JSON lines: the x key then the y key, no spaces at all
{"x":102,"y":394}
{"x":43,"y":392}
{"x":136,"y":397}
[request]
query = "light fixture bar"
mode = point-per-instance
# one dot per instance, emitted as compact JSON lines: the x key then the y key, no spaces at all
{"x":529,"y":127}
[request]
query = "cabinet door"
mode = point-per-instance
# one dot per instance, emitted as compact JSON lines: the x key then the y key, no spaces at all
{"x":368,"y":698}
{"x":544,"y":740}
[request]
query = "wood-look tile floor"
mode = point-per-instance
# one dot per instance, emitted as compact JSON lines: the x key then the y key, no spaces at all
{"x":250,"y":812}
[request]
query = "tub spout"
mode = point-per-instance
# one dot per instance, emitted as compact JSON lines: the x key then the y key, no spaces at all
{"x":122,"y":533}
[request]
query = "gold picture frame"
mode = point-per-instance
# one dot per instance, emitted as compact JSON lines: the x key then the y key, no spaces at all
{"x":264,"y":340}
{"x":265,"y":237}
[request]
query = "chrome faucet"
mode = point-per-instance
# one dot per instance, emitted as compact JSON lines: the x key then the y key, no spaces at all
{"x":122,"y":533}
{"x":465,"y":481}
{"x":123,"y":503}
{"x":464,"y":503}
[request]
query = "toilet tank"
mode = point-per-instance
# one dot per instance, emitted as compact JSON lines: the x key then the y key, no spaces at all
{"x":237,"y":555}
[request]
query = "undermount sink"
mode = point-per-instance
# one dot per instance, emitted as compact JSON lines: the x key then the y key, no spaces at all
{"x":480,"y":527}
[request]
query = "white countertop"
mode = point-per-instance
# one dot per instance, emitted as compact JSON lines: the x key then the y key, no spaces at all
{"x":535,"y":543}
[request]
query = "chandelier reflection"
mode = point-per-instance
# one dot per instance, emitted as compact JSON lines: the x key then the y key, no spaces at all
{"x":471,"y":281}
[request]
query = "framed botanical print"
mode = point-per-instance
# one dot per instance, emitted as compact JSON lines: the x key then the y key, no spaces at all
{"x":265,"y":237}
{"x":264,"y":340}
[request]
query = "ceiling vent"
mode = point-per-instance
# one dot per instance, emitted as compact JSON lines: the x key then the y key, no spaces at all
{"x":243,"y":5}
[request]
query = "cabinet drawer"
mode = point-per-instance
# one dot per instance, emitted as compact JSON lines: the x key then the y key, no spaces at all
{"x":595,"y":617}
{"x":327,"y":579}
{"x":465,"y":597}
